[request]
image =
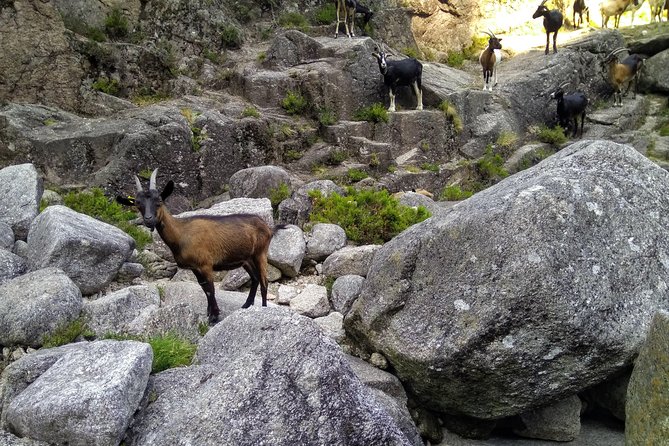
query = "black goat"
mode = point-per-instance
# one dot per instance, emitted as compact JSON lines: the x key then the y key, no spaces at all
{"x":400,"y":73}
{"x":569,"y":108}
{"x":206,"y":244}
{"x":580,"y":8}
{"x":552,"y":23}
{"x":367,"y":14}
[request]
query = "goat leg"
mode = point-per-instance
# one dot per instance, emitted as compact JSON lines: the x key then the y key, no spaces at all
{"x":555,"y":42}
{"x":207,"y":284}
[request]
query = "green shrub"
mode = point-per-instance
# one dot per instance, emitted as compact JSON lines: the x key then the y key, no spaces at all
{"x":171,"y":351}
{"x":293,"y":20}
{"x":67,"y":333}
{"x":230,"y":37}
{"x":355,"y":175}
{"x":473,"y":51}
{"x":410,"y":52}
{"x":367,"y":216}
{"x":96,"y":205}
{"x":197,"y":134}
{"x":78,"y":26}
{"x":454,"y":193}
{"x":327,"y":116}
{"x":106,"y":85}
{"x":374,"y":160}
{"x":278,"y":194}
{"x":116,"y":25}
{"x":491,"y":167}
{"x":211,"y":56}
{"x":293,"y":155}
{"x":532,"y":158}
{"x":250,"y":112}
{"x":326,"y":14}
{"x":432,"y":167}
{"x":553,"y":136}
{"x":294,"y":103}
{"x":664,"y":129}
{"x":374,"y":113}
{"x":506,"y":139}
{"x":455,"y":59}
{"x":337,"y":157}
{"x":452,"y":115}
{"x":262,"y":56}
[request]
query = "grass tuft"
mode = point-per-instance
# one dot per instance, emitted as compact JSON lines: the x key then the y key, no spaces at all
{"x":67,"y":334}
{"x":374,"y":113}
{"x":171,"y":351}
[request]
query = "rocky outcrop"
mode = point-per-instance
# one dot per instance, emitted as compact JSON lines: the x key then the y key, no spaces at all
{"x":487,"y":341}
{"x":20,"y":192}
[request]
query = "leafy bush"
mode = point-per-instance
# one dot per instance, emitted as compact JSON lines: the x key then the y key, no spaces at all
{"x":197,"y":134}
{"x":454,"y":193}
{"x":326,"y":14}
{"x":455,"y":59}
{"x":230,"y":37}
{"x":294,"y":103}
{"x":250,"y":112}
{"x":170,"y":351}
{"x":473,"y":51}
{"x":491,"y":167}
{"x":67,"y":334}
{"x":293,"y":20}
{"x":664,"y":129}
{"x":278,"y":194}
{"x":374,"y":113}
{"x":355,"y":175}
{"x":553,"y":136}
{"x":116,"y":25}
{"x":106,"y":85}
{"x":410,"y":52}
{"x":337,"y":157}
{"x":327,"y":117}
{"x":96,"y":205}
{"x":507,"y":139}
{"x":452,"y":115}
{"x":367,"y":216}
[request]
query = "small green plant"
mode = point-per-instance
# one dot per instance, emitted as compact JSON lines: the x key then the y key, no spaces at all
{"x":454,"y":193}
{"x":326,"y":14}
{"x":293,"y":20}
{"x":230,"y":37}
{"x":455,"y":59}
{"x":293,"y":155}
{"x":491,"y":167}
{"x":326,"y":116}
{"x":49,"y":122}
{"x":278,"y":194}
{"x":337,"y":157}
{"x":294,"y":103}
{"x":452,"y":115}
{"x":203,"y":328}
{"x":374,"y":160}
{"x":147,"y":96}
{"x":67,"y":333}
{"x":425,"y":146}
{"x":211,"y":56}
{"x":262,"y":56}
{"x":116,"y":25}
{"x":354,"y":175}
{"x":367,"y":216}
{"x":532,"y":158}
{"x":78,"y":26}
{"x":664,"y":129}
{"x":145,"y":174}
{"x":106,"y":85}
{"x":250,"y":112}
{"x":432,"y":167}
{"x":474,"y":49}
{"x":171,"y":351}
{"x":374,"y":113}
{"x":553,"y":136}
{"x":197,"y":134}
{"x":410,"y":52}
{"x":507,"y":139}
{"x":392,"y":168}
{"x":412,"y":169}
{"x":96,"y":205}
{"x":328,"y":283}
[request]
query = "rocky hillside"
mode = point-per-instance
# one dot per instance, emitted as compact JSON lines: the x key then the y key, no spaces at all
{"x":518,"y":312}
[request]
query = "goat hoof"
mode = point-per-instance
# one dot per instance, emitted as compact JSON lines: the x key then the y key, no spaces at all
{"x":214,"y":319}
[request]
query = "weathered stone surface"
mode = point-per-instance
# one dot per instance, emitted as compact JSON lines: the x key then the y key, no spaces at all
{"x":261,"y":207}
{"x":312,"y":301}
{"x":87,"y":397}
{"x":611,"y":394}
{"x":89,"y":251}
{"x":36,"y":304}
{"x":647,"y":409}
{"x":11,"y":265}
{"x":569,"y":249}
{"x":6,"y":236}
{"x":20,"y":192}
{"x":295,"y":210}
{"x":258,"y":182}
{"x":559,"y":421}
{"x":350,"y":260}
{"x":286,"y":250}
{"x":345,"y":291}
{"x":113,"y":312}
{"x":323,"y":239}
{"x":332,"y":325}
{"x":653,"y":76}
{"x":179,"y":320}
{"x":291,"y":370}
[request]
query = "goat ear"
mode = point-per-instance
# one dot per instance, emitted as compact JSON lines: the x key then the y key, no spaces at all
{"x":125,"y":201}
{"x":167,"y":191}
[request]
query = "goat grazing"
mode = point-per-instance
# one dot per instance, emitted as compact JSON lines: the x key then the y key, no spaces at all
{"x":569,"y":108}
{"x":580,"y":8}
{"x":489,"y":59}
{"x":348,"y":8}
{"x":615,"y":9}
{"x":206,"y":244}
{"x":398,"y":73}
{"x":620,"y":73}
{"x":552,"y":23}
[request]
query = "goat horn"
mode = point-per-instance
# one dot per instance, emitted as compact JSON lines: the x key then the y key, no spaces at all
{"x":152,"y":181}
{"x":564,"y":85}
{"x":493,"y":34}
{"x":486,"y":32}
{"x":616,"y":51}
{"x":543,"y":2}
{"x":138,"y":184}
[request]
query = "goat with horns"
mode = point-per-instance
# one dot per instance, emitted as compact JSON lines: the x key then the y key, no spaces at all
{"x":552,"y":23}
{"x":490,"y":57}
{"x":205,"y":244}
{"x":398,"y":73}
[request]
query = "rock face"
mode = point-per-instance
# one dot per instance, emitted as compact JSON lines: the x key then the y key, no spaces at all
{"x":528,"y":292}
{"x":20,"y":192}
{"x":647,"y":406}
{"x":265,"y":376}
{"x":87,"y":397}
{"x":89,"y":251}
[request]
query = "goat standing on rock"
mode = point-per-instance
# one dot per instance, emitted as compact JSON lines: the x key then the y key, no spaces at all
{"x":208,"y":243}
{"x":489,"y":58}
{"x":620,"y":73}
{"x":580,"y":8}
{"x":400,"y":73}
{"x":570,"y":107}
{"x":552,"y":23}
{"x":348,"y":8}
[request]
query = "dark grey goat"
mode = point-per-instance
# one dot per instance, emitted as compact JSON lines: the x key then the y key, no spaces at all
{"x":569,"y":108}
{"x":580,"y":8}
{"x":398,"y":73}
{"x":552,"y":23}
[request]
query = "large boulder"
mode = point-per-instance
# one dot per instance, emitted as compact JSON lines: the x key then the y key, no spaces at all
{"x":20,"y":192}
{"x":653,"y":76}
{"x":87,"y":397}
{"x":113,"y":312}
{"x":35,"y":305}
{"x":90,"y":252}
{"x":11,"y":265}
{"x":258,"y":182}
{"x":265,"y":376}
{"x":286,"y":250}
{"x":528,"y":292}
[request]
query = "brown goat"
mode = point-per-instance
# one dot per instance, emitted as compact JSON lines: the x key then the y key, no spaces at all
{"x":621,"y":73}
{"x":205,"y":244}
